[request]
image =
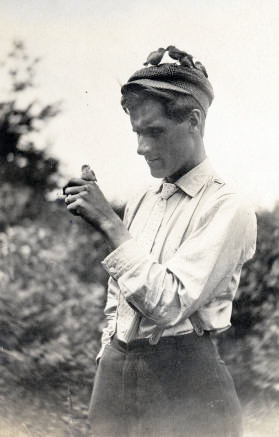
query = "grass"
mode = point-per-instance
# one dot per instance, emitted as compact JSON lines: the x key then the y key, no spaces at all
{"x":25,"y":414}
{"x":261,"y":416}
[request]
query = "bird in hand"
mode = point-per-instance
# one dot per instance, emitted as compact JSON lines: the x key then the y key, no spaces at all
{"x":154,"y":58}
{"x":200,"y":67}
{"x":87,"y":173}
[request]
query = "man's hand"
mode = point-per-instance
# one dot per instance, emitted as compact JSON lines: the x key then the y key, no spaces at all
{"x":84,"y":198}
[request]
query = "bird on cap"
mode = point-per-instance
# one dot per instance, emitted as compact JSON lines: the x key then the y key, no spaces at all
{"x":187,"y":61}
{"x":154,"y":58}
{"x":201,"y":67}
{"x":179,"y":55}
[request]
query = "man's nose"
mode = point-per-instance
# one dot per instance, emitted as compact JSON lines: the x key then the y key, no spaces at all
{"x":143,"y":145}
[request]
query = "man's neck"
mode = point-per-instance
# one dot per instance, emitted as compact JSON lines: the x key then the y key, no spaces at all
{"x":185,"y":169}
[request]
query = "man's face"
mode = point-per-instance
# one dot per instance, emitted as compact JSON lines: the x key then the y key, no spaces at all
{"x":163,"y":142}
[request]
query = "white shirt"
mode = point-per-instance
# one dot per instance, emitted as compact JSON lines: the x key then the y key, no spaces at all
{"x":207,"y":234}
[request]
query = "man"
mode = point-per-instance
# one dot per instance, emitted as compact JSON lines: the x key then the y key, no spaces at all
{"x":174,"y":269}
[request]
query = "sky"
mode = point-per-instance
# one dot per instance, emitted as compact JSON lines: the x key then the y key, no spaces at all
{"x":88,"y":48}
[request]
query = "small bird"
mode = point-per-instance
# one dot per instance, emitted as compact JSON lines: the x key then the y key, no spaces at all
{"x":187,"y":61}
{"x":200,"y":67}
{"x":179,"y":55}
{"x":87,"y":173}
{"x":175,"y":53}
{"x":154,"y":58}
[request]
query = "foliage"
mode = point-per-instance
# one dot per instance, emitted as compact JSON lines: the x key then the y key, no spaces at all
{"x":23,"y":166}
{"x":258,"y":293}
{"x":251,"y":346}
{"x":50,"y":315}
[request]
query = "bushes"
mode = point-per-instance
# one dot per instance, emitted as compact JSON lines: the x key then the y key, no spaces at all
{"x":251,"y":346}
{"x":50,"y":306}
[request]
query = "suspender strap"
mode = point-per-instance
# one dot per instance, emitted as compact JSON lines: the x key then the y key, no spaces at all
{"x":195,"y":320}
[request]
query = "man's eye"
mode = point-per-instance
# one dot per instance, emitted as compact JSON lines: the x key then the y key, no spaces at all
{"x":149,"y":133}
{"x":154,"y":132}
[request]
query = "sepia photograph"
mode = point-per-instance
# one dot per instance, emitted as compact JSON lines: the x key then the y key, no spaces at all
{"x":139,"y":218}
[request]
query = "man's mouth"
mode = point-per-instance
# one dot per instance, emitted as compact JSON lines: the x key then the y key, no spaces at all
{"x":150,"y":160}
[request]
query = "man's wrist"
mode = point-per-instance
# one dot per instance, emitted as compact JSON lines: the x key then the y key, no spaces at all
{"x":115,"y":231}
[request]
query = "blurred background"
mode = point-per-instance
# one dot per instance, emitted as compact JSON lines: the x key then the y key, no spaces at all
{"x":61,"y":67}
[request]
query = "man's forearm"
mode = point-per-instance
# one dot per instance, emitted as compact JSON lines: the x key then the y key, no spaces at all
{"x":115,"y":231}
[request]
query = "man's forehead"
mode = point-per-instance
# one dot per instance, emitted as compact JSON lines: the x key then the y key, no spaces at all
{"x":148,"y":111}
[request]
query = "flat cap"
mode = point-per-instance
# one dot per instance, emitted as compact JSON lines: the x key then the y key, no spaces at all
{"x":190,"y":78}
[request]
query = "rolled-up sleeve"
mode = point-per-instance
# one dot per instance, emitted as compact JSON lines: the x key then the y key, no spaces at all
{"x":202,"y":267}
{"x":110,"y":310}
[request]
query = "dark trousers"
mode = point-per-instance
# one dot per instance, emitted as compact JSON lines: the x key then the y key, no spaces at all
{"x":177,"y":388}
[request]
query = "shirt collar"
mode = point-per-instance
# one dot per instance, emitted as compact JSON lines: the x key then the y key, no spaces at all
{"x":192,"y":181}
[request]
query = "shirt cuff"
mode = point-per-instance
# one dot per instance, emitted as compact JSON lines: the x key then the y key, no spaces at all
{"x":100,"y":353}
{"x":123,"y":258}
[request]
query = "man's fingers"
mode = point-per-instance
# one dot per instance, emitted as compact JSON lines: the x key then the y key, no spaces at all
{"x":74,"y":207}
{"x":73,"y":182}
{"x":70,"y":198}
{"x":75,"y":190}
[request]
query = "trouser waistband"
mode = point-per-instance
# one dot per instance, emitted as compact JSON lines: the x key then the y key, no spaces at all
{"x":177,"y":341}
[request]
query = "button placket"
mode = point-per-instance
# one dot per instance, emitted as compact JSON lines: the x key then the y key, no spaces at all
{"x":147,"y":238}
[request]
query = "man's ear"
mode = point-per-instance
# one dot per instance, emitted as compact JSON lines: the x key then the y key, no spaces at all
{"x":195,"y":121}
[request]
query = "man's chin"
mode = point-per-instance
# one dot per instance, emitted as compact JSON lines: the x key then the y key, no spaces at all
{"x":157,"y":173}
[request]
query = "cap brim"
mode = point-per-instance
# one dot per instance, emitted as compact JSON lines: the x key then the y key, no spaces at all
{"x":155,"y":84}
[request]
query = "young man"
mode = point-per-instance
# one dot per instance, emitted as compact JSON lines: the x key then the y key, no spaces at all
{"x":174,"y":269}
